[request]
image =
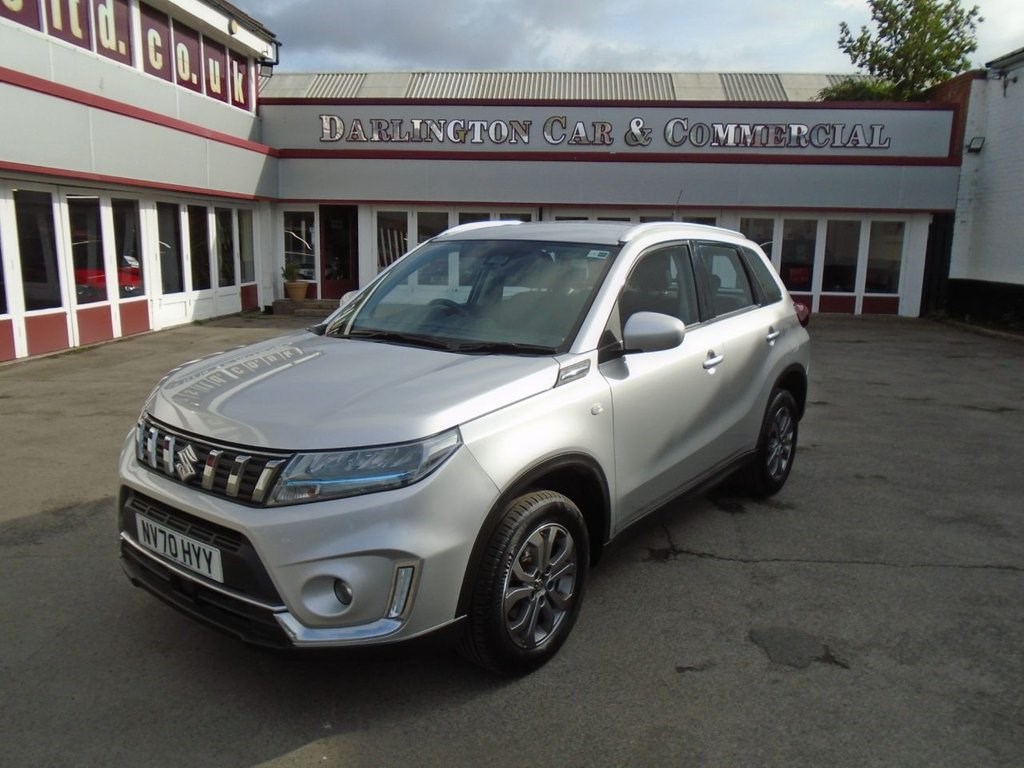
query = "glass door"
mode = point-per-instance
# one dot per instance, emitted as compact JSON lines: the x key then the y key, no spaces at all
{"x":339,"y":247}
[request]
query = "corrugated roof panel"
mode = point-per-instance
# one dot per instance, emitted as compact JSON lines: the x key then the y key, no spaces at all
{"x":557,"y":86}
{"x":741,"y":86}
{"x":547,"y":86}
{"x":335,"y":85}
{"x":286,"y":85}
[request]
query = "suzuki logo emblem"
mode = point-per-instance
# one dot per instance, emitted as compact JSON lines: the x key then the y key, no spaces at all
{"x":185,"y":465}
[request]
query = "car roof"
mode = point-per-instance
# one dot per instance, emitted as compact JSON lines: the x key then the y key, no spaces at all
{"x":597,"y":232}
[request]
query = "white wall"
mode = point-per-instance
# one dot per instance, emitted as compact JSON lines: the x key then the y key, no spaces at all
{"x":988,"y":243}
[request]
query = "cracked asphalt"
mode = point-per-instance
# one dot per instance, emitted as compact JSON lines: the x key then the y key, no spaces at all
{"x":871,"y":614}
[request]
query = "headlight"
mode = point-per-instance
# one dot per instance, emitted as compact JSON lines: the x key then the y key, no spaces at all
{"x":318,"y":476}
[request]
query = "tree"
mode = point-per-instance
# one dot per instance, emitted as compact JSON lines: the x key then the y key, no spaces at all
{"x":917,"y":44}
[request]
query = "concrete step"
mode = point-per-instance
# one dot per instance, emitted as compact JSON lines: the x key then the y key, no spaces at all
{"x":307,"y":308}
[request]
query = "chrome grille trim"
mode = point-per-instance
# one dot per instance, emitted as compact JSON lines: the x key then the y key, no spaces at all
{"x":235,"y":478}
{"x":266,"y":476}
{"x":236,"y":473}
{"x":168,"y":454}
{"x":210,"y":470}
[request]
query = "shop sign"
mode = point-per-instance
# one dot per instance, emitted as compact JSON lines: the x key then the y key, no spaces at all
{"x":903,"y":132}
{"x":188,"y":69}
{"x":23,"y":11}
{"x":68,"y":20}
{"x":171,"y":50}
{"x":112,"y":21}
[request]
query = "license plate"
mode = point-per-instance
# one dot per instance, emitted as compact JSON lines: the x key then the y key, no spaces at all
{"x":183,"y":550}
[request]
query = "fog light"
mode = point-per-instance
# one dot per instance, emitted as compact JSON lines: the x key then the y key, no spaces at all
{"x":403,"y":581}
{"x":343,"y":592}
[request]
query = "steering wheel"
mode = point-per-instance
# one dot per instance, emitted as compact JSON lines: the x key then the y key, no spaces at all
{"x":448,"y":304}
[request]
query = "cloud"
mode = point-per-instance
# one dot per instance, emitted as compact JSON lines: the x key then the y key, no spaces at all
{"x":616,"y":35}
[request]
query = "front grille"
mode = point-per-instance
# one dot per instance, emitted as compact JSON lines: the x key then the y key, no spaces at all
{"x":217,"y":536}
{"x":237,"y":473}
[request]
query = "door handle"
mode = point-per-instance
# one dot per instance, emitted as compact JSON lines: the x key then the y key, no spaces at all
{"x":713,"y":361}
{"x":772,"y":335}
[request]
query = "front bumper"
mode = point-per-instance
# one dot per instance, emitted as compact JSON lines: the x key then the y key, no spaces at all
{"x":403,"y":555}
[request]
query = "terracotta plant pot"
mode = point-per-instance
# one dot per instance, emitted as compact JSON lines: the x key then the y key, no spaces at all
{"x":296,"y":290}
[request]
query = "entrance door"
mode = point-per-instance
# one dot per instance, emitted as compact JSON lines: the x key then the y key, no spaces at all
{"x":339,"y":271}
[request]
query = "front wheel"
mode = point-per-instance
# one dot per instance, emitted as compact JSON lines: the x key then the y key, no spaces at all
{"x":530,"y":585}
{"x":776,"y":446}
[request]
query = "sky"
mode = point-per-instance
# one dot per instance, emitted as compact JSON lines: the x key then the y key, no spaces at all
{"x":586,"y":35}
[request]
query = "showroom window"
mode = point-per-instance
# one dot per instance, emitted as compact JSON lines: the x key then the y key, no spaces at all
{"x":128,"y":247}
{"x":300,"y":243}
{"x":37,"y":244}
{"x":87,"y":248}
{"x":430,"y":224}
{"x":885,"y":252}
{"x":392,"y":236}
{"x":247,"y":255}
{"x":799,"y":237}
{"x":199,"y":240}
{"x":842,"y":244}
{"x":224,"y":219}
{"x":761,"y":231}
{"x":3,"y":286}
{"x":172,"y":273}
{"x":468,"y":217}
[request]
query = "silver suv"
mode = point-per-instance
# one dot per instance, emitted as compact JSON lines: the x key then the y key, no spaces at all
{"x":454,"y":447}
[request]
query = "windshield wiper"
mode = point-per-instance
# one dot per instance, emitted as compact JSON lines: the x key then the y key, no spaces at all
{"x":412,"y":339}
{"x":501,"y":348}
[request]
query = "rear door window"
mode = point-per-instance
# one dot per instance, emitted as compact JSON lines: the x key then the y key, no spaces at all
{"x":728,"y":286}
{"x":769,"y":289}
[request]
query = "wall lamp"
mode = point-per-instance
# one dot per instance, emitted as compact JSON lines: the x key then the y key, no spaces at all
{"x":975,"y":145}
{"x":266,"y":63}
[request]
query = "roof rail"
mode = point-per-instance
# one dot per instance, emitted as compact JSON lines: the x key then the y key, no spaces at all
{"x":648,"y":226}
{"x":471,"y":225}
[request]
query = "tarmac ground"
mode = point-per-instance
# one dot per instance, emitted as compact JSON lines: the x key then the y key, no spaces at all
{"x":872,"y":613}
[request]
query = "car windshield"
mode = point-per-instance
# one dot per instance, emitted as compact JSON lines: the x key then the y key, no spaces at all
{"x":481,"y":296}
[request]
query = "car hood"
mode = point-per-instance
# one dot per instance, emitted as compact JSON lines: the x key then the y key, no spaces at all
{"x":308,"y":392}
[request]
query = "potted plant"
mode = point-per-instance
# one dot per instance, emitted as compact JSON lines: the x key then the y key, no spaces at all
{"x":293,"y":286}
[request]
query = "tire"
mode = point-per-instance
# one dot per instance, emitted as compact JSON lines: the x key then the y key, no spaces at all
{"x":776,"y":446}
{"x":530,"y":585}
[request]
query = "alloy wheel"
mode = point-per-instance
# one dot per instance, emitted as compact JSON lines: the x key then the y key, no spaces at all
{"x":540,"y":586}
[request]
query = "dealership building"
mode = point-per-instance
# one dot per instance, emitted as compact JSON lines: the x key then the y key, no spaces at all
{"x":155,"y":170}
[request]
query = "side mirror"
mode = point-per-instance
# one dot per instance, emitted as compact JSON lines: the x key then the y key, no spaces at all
{"x":652,"y":332}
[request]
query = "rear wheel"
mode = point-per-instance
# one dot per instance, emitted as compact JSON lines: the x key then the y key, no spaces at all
{"x":776,"y":446}
{"x":530,"y":585}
